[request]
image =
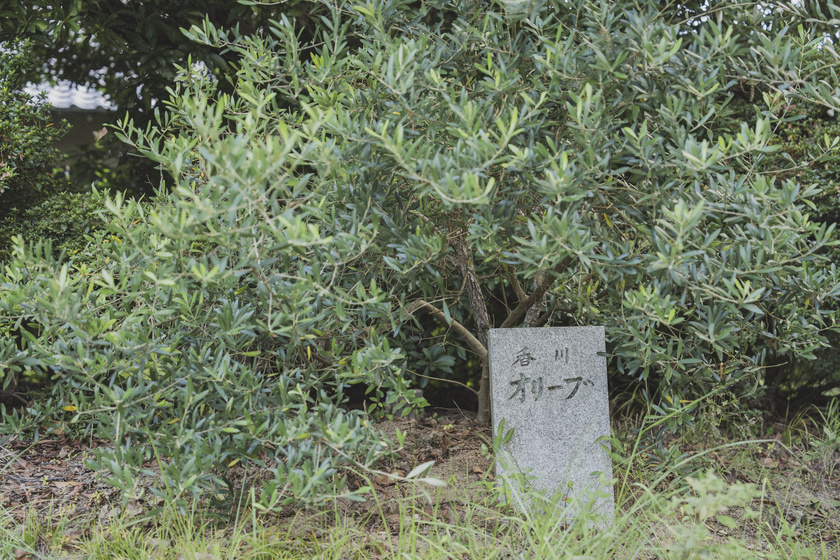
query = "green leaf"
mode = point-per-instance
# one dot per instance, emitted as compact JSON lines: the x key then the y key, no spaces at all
{"x":420,"y":469}
{"x":727,"y":521}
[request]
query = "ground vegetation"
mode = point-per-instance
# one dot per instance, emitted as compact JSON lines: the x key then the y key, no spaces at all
{"x":493,"y":164}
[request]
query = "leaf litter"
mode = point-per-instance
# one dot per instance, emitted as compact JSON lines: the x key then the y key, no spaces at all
{"x":50,"y":480}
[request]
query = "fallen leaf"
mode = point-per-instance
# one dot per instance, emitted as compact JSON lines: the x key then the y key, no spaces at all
{"x":73,"y":534}
{"x":445,"y":444}
{"x":768,"y":462}
{"x":386,"y":479}
{"x":108,"y":511}
{"x":429,"y":422}
{"x":133,"y":508}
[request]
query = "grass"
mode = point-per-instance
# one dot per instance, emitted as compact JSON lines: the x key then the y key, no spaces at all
{"x":655,"y":525}
{"x":720,"y":501}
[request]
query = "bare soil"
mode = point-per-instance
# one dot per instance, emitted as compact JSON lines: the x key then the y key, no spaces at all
{"x":49,"y":480}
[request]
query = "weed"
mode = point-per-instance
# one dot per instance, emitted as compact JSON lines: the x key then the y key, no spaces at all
{"x":660,"y":513}
{"x":830,"y":444}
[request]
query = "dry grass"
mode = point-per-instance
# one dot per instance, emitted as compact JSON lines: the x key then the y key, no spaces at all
{"x":774,"y":497}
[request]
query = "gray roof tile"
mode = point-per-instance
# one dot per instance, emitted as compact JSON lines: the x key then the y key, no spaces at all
{"x":66,"y":95}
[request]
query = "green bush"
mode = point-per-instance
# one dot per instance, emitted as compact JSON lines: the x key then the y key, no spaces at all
{"x":805,"y":150}
{"x":214,"y":326}
{"x":27,"y":131}
{"x":575,"y":162}
{"x":34,"y":199}
{"x":37,"y":201}
{"x":569,"y":158}
{"x":65,"y":218}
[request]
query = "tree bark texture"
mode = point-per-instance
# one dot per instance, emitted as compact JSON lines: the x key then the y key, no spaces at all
{"x":533,"y":314}
{"x":482,"y":326}
{"x":527,"y":309}
{"x":524,"y":305}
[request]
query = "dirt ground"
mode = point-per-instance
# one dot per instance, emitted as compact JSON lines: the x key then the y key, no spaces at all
{"x":49,"y":479}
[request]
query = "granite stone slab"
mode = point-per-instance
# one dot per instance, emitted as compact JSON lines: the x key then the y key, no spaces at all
{"x":550,"y":386}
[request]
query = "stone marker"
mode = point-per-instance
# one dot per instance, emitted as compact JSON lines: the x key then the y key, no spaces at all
{"x":550,"y":385}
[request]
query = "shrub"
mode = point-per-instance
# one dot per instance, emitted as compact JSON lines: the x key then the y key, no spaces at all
{"x":567,"y":158}
{"x":806,"y":150}
{"x":216,"y":325}
{"x":27,"y":131}
{"x":573,"y":161}
{"x":65,"y":218}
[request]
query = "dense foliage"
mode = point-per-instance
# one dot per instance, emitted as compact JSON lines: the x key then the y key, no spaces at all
{"x":487,"y":164}
{"x":35,"y":197}
{"x":129,"y":50}
{"x":27,"y":157}
{"x":132,"y":52}
{"x":801,"y":139}
{"x":576,"y":163}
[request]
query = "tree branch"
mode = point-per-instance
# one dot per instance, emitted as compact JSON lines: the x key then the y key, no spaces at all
{"x":461,"y":330}
{"x":524,"y":305}
{"x":517,"y":289}
{"x":546,"y":316}
{"x":321,"y":358}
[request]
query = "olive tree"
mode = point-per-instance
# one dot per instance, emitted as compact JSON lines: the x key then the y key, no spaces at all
{"x":562,"y":163}
{"x":214,"y":326}
{"x":491,"y":164}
